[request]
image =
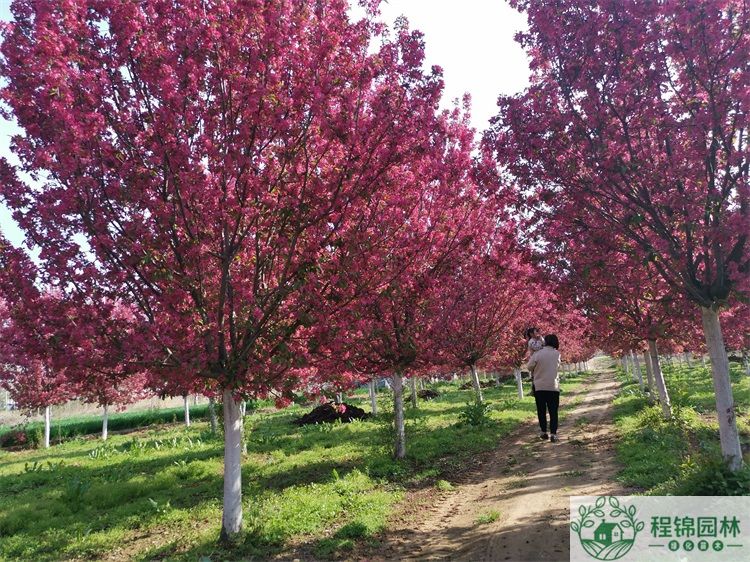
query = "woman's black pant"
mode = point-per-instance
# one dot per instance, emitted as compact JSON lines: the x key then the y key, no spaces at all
{"x":547,"y":400}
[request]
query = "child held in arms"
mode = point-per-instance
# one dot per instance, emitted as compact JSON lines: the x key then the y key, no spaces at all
{"x":534,"y":340}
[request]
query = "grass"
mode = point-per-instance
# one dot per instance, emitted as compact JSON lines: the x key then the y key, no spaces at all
{"x":487,"y":517}
{"x":65,"y":429}
{"x":444,"y":485}
{"x":156,"y":493}
{"x":681,"y":456}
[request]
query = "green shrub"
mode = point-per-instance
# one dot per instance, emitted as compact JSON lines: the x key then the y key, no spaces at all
{"x":35,"y":437}
{"x":475,"y":414}
{"x":706,"y":475}
{"x":15,"y":436}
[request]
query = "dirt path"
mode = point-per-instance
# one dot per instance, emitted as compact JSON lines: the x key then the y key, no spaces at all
{"x":527,"y":482}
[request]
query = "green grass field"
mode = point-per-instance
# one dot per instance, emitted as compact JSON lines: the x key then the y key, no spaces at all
{"x":156,"y":493}
{"x":680,"y":457}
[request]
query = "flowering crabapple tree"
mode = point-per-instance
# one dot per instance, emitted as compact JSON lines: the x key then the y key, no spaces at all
{"x":218,"y":157}
{"x":34,"y":384}
{"x":626,"y":301}
{"x":387,"y":330}
{"x":29,"y":323}
{"x":638,"y":113}
{"x":486,"y":301}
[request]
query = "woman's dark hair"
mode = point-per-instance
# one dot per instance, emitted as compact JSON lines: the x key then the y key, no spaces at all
{"x":552,"y":341}
{"x":530,"y":332}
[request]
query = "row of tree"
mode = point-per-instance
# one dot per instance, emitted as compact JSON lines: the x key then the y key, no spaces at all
{"x":245,"y":198}
{"x":631,"y":149}
{"x":248,"y":198}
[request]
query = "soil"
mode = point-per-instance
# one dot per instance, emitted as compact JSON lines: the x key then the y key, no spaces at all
{"x":524,"y":485}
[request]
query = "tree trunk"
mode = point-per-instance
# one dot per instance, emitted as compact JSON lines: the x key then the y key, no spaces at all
{"x":212,"y":414}
{"x":398,"y":415}
{"x":231,"y":521}
{"x":745,"y":362}
{"x":373,"y":398}
{"x":730,"y":441}
{"x":649,"y":373}
{"x":413,"y":386}
{"x":638,"y":373}
{"x":703,"y":361}
{"x":105,"y":421}
{"x":186,"y":402}
{"x":661,"y":386}
{"x":687,"y":359}
{"x":339,"y":398}
{"x":476,"y":383}
{"x":631,"y":365}
{"x":46,"y":427}
{"x":519,"y":382}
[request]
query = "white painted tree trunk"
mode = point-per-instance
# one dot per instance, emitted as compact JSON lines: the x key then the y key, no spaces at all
{"x":476,"y":383}
{"x":186,"y":402}
{"x":413,"y":386}
{"x":637,"y":369}
{"x":373,"y":398}
{"x":105,"y":421}
{"x":703,"y":360}
{"x":746,"y":362}
{"x":231,"y":521}
{"x":212,"y":414}
{"x":398,"y":415}
{"x":624,"y":363}
{"x":519,"y":382}
{"x":340,"y":397}
{"x":46,"y":427}
{"x":649,"y":373}
{"x":730,"y":441}
{"x":661,"y":386}
{"x":687,"y":359}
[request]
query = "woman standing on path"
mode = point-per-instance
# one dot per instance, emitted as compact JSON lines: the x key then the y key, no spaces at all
{"x":543,"y":367}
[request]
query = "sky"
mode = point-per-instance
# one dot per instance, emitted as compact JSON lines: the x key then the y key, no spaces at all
{"x":472,"y":40}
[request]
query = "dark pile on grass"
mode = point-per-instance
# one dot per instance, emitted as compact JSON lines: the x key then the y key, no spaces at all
{"x":426,"y":394}
{"x":329,"y":413}
{"x":484,"y":384}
